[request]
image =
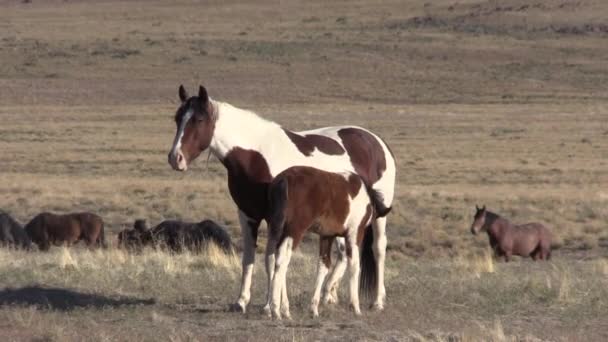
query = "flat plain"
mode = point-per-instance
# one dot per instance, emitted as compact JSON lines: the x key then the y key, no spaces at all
{"x":482,"y":102}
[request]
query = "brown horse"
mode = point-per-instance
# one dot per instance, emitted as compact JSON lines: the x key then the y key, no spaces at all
{"x":303,"y":199}
{"x":507,"y":239}
{"x":46,"y":229}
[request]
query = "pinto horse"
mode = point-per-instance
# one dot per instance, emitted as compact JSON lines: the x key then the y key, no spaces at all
{"x":507,"y":239}
{"x":255,"y":150}
{"x":303,"y":199}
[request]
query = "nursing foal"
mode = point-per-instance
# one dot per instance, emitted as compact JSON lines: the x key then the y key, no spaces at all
{"x":303,"y":199}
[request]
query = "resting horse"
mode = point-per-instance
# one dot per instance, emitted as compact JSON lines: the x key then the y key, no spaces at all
{"x":11,"y":233}
{"x":255,"y":150}
{"x":176,"y":235}
{"x":303,"y":199}
{"x":507,"y":239}
{"x":46,"y":229}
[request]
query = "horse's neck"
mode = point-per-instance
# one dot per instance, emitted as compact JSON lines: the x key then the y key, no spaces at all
{"x":495,"y":225}
{"x":236,"y":127}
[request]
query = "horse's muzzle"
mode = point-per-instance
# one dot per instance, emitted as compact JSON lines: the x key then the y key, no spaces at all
{"x":177,"y":161}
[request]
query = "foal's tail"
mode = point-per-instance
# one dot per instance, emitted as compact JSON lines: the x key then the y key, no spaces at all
{"x":369,"y":267}
{"x":277,"y":197}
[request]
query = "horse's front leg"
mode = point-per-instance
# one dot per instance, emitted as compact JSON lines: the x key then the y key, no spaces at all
{"x":269,"y":262}
{"x":249,"y":229}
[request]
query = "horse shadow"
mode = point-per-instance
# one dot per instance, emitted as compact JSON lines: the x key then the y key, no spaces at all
{"x":63,"y":299}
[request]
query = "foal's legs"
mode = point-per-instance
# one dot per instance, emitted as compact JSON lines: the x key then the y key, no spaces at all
{"x":379,"y":247}
{"x":322,"y":270}
{"x":330,"y":291}
{"x":269,"y":262}
{"x":279,"y":284}
{"x":353,"y":269}
{"x":249,"y":229}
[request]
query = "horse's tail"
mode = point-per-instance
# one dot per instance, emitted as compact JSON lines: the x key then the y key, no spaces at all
{"x":367,"y":262}
{"x":377,"y":201}
{"x":369,"y":268}
{"x":277,"y":197}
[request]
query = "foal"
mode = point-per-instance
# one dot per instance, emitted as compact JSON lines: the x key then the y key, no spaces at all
{"x":330,"y":204}
{"x":506,"y":239}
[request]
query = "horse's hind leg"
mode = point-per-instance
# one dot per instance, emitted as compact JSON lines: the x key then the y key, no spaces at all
{"x":379,"y":247}
{"x":279,"y":279}
{"x":330,"y":290}
{"x":355,"y":273}
{"x":322,"y":270}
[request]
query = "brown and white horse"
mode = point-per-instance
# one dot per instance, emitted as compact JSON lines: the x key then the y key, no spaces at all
{"x":255,"y":150}
{"x":303,"y":199}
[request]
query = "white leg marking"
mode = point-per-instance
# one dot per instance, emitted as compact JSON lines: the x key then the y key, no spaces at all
{"x":279,"y":286}
{"x":248,"y":260}
{"x":353,"y":267}
{"x":322,"y":271}
{"x":330,"y":291}
{"x":379,"y":247}
{"x":270,"y":264}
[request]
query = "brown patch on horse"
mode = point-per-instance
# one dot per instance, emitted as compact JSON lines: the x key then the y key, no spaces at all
{"x":365,"y":152}
{"x":248,"y":180}
{"x":307,"y":143}
{"x":354,"y":184}
{"x":317,"y":200}
{"x":48,"y":229}
{"x":507,"y":239}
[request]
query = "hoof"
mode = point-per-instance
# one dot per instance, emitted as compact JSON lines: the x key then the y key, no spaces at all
{"x":266,"y":310}
{"x":329,"y":299}
{"x":377,"y":307}
{"x":236,"y":307}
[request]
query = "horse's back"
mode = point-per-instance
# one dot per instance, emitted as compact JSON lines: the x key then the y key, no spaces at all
{"x":370,"y":157}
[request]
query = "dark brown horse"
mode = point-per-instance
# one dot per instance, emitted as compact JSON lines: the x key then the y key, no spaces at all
{"x":507,"y":239}
{"x":12,"y":234}
{"x":48,"y":229}
{"x":303,"y":199}
{"x":176,"y":235}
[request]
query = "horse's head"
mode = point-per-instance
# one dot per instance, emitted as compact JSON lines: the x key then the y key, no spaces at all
{"x":479,"y":220}
{"x":195,"y":120}
{"x":134,"y":238}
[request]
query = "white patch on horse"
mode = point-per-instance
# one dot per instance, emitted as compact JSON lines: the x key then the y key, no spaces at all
{"x":177,"y":143}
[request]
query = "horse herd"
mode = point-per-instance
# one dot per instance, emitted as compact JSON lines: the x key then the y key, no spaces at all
{"x":47,"y":229}
{"x":336,"y":181}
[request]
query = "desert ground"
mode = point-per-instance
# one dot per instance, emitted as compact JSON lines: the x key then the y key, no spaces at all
{"x":502,"y":103}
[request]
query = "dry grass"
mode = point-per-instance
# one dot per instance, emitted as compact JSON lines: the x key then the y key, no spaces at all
{"x":482,"y":103}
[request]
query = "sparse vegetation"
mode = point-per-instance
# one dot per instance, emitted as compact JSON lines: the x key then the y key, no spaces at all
{"x":481,"y":103}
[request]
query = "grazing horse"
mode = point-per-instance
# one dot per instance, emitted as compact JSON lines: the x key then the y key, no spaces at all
{"x":46,"y":229}
{"x":254,"y":150}
{"x":507,"y":239}
{"x":176,"y":235}
{"x":303,"y":199}
{"x":11,"y":233}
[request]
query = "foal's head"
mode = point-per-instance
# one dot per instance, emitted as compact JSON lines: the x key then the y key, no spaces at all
{"x":479,"y":220}
{"x":195,"y":120}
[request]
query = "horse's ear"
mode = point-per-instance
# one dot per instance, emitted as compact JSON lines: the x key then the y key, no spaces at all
{"x":183,"y":94}
{"x":476,"y":207}
{"x":202,"y":94}
{"x":484,"y":207}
